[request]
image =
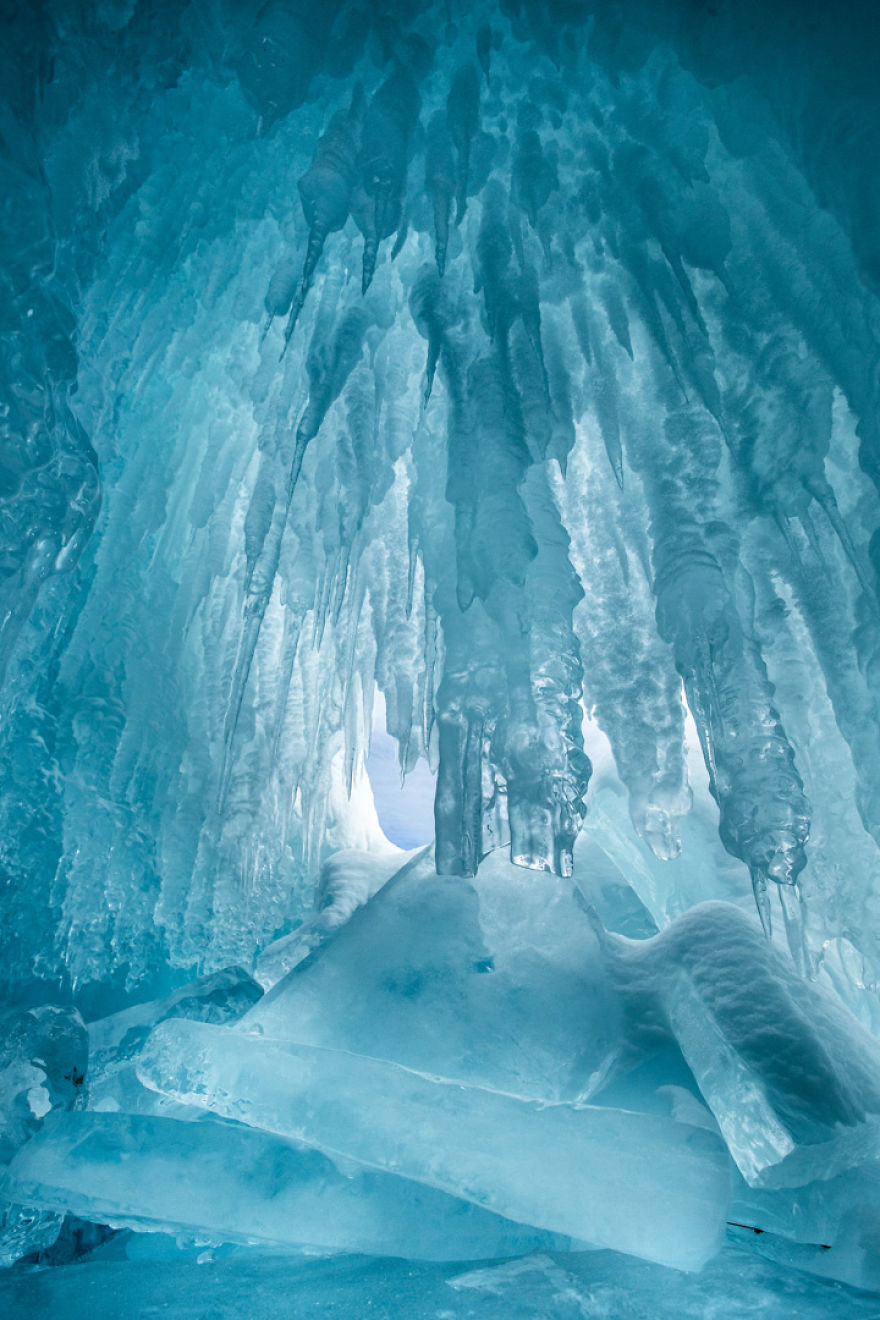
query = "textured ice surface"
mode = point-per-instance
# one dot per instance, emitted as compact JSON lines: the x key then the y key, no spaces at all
{"x":636,"y":1182}
{"x":115,"y":1041}
{"x":347,"y":880}
{"x":601,"y":431}
{"x":792,"y":1078}
{"x":43,"y":1060}
{"x":510,"y":368}
{"x":226,"y":1182}
{"x":43,"y":1054}
{"x":829,"y":1227}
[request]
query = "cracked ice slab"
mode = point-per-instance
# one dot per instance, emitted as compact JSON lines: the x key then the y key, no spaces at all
{"x":236,"y":1184}
{"x":637,"y":1183}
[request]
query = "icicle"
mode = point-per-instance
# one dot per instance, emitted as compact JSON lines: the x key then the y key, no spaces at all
{"x":792,"y":903}
{"x":484,"y":49}
{"x":463,"y":116}
{"x":325,"y":192}
{"x":824,"y":496}
{"x":762,"y":902}
{"x":440,"y":183}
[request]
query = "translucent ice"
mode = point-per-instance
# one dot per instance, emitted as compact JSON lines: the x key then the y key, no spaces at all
{"x":43,"y":1054}
{"x":512,"y":368}
{"x":600,"y":435}
{"x":43,"y":1060}
{"x":634,"y":1182}
{"x":114,"y":1041}
{"x":494,"y":980}
{"x":550,"y":1286}
{"x":230,"y":1183}
{"x":792,"y":1078}
{"x":348,"y":879}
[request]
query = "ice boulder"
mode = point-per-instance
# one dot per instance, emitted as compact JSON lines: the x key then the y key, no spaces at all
{"x":114,"y":1041}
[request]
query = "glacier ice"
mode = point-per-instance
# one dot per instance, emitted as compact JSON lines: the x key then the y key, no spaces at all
{"x":495,"y":981}
{"x":114,"y":1041}
{"x":231,"y":1183}
{"x":639,"y":1183}
{"x":43,"y":1062}
{"x":498,"y":382}
{"x":791,"y":1077}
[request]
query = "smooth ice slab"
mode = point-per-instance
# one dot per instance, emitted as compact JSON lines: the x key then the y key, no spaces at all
{"x":348,"y":879}
{"x":791,"y":1076}
{"x":637,"y":1183}
{"x":232,"y":1183}
{"x":495,"y":980}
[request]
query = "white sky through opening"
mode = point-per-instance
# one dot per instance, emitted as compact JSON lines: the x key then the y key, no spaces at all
{"x":406,"y":814}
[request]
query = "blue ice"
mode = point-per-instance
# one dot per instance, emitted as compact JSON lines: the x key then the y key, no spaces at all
{"x":439,"y":658}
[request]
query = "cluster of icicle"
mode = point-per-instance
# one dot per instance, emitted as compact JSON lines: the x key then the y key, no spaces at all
{"x":506,"y":378}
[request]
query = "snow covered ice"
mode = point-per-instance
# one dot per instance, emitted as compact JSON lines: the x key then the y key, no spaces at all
{"x":495,"y":384}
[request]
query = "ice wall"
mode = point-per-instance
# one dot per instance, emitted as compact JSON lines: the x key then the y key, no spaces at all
{"x":520,"y":359}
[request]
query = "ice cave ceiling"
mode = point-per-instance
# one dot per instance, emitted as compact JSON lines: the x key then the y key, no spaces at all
{"x":519,"y":360}
{"x":485,"y":395}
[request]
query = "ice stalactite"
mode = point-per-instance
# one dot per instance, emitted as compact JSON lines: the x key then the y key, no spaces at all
{"x":501,"y":378}
{"x":388,"y":124}
{"x":325,"y":191}
{"x":521,"y":361}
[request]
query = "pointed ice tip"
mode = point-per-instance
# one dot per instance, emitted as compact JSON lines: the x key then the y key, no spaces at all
{"x":762,"y":902}
{"x":292,"y":320}
{"x":596,"y":922}
{"x":792,"y":904}
{"x":465,"y":591}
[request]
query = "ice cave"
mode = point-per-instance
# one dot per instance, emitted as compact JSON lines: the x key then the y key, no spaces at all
{"x":440,"y":659}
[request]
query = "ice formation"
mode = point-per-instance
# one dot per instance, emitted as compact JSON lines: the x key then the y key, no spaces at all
{"x":502,"y":376}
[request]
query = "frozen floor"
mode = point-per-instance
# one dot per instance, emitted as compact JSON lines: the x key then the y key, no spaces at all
{"x":737,"y":1285}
